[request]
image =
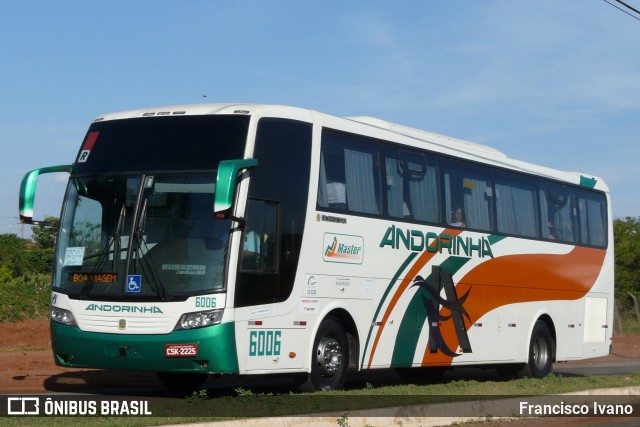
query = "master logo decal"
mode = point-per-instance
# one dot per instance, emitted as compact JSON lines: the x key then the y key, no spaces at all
{"x":343,"y":248}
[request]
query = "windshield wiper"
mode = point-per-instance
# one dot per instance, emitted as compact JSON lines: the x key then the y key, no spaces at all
{"x":150,"y":271}
{"x":116,"y":241}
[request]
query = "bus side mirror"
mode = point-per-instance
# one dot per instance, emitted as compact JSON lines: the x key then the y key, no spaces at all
{"x":226,"y":182}
{"x":28,"y":192}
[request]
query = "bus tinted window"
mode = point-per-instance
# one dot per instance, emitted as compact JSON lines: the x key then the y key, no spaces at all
{"x":349,"y":175}
{"x":558,"y":210}
{"x":468,"y":196}
{"x":275,"y":217}
{"x":412,"y":186}
{"x":423,"y":186}
{"x":516,"y":210}
{"x":164,"y":143}
{"x":260,"y":237}
{"x":593,"y":218}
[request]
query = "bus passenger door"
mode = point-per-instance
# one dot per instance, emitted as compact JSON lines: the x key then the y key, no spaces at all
{"x":268,"y":337}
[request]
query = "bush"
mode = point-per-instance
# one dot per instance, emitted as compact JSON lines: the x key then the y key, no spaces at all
{"x":25,"y":297}
{"x":628,"y":322}
{"x":39,"y":260}
{"x":627,"y":251}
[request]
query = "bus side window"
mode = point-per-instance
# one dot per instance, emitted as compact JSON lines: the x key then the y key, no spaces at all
{"x":469,"y":189}
{"x":593,"y":218}
{"x":332,"y":191}
{"x":412,"y":185}
{"x":350,"y":175}
{"x":558,"y":208}
{"x":516,"y":205}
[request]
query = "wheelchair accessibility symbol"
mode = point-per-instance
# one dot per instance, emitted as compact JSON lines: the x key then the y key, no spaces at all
{"x":134,"y":283}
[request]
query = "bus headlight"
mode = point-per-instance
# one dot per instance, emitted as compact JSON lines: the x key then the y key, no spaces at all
{"x":65,"y":317}
{"x":199,"y":319}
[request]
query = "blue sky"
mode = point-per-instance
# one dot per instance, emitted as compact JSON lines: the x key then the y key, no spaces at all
{"x":549,"y":82}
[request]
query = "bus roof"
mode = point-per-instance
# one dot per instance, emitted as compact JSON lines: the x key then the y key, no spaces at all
{"x":471,"y":149}
{"x":427,"y":136}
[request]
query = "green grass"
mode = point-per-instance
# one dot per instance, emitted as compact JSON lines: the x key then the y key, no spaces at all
{"x":630,"y":324}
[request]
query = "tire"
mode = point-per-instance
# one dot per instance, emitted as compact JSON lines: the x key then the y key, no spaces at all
{"x":329,"y":359}
{"x":541,"y":350}
{"x":181,"y":381}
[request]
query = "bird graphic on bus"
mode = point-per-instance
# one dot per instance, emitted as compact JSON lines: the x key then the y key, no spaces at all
{"x":441,"y":279}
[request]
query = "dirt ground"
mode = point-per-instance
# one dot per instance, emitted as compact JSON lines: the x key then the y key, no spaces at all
{"x":26,"y":362}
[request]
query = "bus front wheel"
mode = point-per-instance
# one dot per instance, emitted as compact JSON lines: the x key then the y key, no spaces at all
{"x":540,"y":359}
{"x":330,"y":357}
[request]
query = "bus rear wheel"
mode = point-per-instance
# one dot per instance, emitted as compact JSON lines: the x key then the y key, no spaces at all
{"x":330,"y":357}
{"x":540,"y":360}
{"x":181,"y":381}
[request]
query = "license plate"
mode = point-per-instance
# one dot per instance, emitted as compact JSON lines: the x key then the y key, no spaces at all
{"x":181,"y":350}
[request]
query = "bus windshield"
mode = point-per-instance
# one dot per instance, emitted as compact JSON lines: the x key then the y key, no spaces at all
{"x":138,"y":221}
{"x":149,"y":237}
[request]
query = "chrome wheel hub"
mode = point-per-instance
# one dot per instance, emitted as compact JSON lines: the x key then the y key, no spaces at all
{"x":329,"y":356}
{"x":540,"y":353}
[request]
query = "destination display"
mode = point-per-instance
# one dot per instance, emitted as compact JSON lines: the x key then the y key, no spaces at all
{"x":82,"y":277}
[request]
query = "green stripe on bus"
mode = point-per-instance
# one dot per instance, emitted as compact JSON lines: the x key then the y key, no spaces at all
{"x":495,"y":238}
{"x":410,"y":328}
{"x":587,"y":182}
{"x":415,"y":316}
{"x":404,"y":265}
{"x":216,"y":345}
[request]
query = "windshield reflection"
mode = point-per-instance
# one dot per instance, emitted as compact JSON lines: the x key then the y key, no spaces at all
{"x":141,"y":237}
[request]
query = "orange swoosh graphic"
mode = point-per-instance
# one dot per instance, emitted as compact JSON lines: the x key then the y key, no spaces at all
{"x":522,"y":278}
{"x":406,"y":281}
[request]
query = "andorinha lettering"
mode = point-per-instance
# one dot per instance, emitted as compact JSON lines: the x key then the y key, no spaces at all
{"x":110,"y":308}
{"x":416,"y":240}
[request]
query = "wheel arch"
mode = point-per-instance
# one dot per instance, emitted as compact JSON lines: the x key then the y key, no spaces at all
{"x":327,"y":369}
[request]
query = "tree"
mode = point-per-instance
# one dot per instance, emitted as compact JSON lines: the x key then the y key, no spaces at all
{"x":20,"y":257}
{"x":13,"y":259}
{"x":45,"y":236}
{"x":626,"y":233}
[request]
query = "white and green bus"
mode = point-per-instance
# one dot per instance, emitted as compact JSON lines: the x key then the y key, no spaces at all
{"x":258,"y":239}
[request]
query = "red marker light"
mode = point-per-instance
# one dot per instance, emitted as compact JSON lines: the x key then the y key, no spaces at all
{"x":90,"y":140}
